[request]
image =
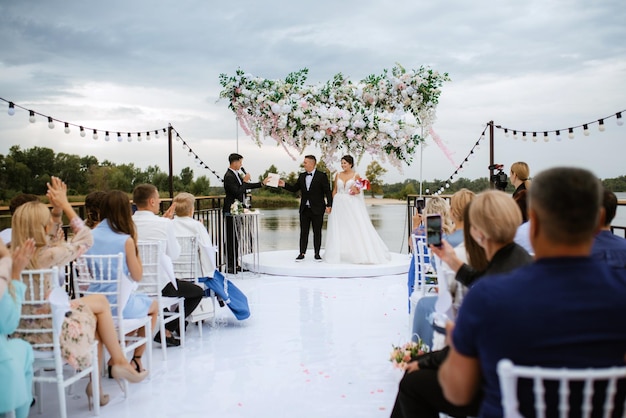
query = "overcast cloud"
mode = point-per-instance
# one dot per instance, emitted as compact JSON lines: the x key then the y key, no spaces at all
{"x":139,"y":65}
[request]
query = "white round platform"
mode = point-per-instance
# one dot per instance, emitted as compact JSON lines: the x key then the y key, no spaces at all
{"x":283,"y":263}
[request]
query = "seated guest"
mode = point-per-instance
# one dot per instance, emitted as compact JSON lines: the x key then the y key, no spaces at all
{"x":419,"y":393}
{"x":564,"y":310}
{"x":92,"y":208}
{"x":151,"y":227}
{"x":608,"y":247}
{"x":114,"y":234}
{"x":16,"y":202}
{"x":225,"y":291}
{"x":422,"y":322}
{"x":16,"y":355}
{"x":90,"y":315}
{"x":186,"y":225}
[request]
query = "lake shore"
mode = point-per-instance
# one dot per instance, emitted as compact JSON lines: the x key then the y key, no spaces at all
{"x":372,"y":201}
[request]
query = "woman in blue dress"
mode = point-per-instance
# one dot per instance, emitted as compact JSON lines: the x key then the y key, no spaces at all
{"x":116,"y":233}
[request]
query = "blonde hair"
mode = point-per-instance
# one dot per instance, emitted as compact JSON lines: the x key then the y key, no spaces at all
{"x":437,"y":204}
{"x":184,"y":203}
{"x":522,"y":172}
{"x":30,"y":221}
{"x":496,"y":215}
{"x":458,"y":202}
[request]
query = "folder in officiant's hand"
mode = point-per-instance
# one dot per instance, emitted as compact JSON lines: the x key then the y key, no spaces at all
{"x":273,"y":179}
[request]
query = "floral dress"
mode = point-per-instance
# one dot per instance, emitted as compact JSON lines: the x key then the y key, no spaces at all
{"x":79,"y":328}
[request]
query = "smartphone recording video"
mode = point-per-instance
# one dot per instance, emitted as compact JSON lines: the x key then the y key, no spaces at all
{"x":419,"y":204}
{"x":433,"y":230}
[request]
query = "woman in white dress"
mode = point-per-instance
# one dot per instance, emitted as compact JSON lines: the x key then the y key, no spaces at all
{"x":351,"y":237}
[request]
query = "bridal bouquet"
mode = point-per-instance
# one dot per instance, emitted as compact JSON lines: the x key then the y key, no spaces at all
{"x":402,"y":355}
{"x":360,"y":184}
{"x":236,"y":208}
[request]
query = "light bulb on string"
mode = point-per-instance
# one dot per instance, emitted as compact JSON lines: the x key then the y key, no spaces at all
{"x":31,"y":117}
{"x":534,"y":136}
{"x":619,"y":119}
{"x":82,"y":132}
{"x":447,"y":185}
{"x":119,"y":137}
{"x":506,"y":133}
{"x":570,"y":134}
{"x":156,"y":134}
{"x":67,"y":128}
{"x":129,"y":138}
{"x":546,"y":138}
{"x":558,"y":136}
{"x":50,"y":123}
{"x":524,"y":136}
{"x":147,"y":136}
{"x":138,"y":136}
{"x":601,"y":126}
{"x":95,"y":134}
{"x":190,"y":153}
{"x":107,"y":138}
{"x":11,"y":109}
{"x":427,"y":191}
{"x":514,"y":134}
{"x":482,"y":137}
{"x":585,"y":130}
{"x":177,"y":137}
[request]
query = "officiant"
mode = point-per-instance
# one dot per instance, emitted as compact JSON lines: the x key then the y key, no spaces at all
{"x":236,"y":186}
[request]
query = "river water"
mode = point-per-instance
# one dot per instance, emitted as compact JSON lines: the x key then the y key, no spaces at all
{"x":279,"y":229}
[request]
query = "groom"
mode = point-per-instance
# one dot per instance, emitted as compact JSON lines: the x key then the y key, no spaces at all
{"x":316,"y":198}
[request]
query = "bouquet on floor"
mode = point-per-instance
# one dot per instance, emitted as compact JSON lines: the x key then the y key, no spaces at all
{"x":401,"y":355}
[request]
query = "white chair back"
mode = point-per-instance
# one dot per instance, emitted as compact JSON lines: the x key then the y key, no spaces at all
{"x":37,"y":309}
{"x":154,"y":262}
{"x":186,"y":265}
{"x":588,"y":379}
{"x":103,"y":274}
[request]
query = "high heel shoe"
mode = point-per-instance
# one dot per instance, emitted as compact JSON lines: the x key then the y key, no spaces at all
{"x":120,"y":373}
{"x":134,"y":362}
{"x":104,"y":398}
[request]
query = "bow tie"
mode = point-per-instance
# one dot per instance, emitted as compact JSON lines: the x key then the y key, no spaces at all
{"x":309,"y":174}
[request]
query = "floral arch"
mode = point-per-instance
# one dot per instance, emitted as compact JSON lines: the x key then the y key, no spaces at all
{"x":386,"y":116}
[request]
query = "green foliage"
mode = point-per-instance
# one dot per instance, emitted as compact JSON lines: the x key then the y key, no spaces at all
{"x":374,"y":173}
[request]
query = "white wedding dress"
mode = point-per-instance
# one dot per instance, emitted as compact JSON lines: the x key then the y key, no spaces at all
{"x":350,"y":235}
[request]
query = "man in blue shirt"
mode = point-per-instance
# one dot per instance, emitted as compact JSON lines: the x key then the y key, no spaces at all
{"x":564,"y":310}
{"x":608,"y":247}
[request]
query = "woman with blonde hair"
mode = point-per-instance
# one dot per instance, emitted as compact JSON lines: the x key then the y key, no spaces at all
{"x":520,"y":175}
{"x":90,"y":314}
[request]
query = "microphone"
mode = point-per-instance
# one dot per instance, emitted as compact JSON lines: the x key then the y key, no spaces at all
{"x":243,"y":170}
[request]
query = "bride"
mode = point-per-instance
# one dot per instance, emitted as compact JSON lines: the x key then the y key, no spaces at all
{"x":350,"y":236}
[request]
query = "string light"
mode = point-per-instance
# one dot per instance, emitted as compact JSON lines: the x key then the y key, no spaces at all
{"x":119,"y":137}
{"x":619,"y":119}
{"x":585,"y":130}
{"x":514,"y":134}
{"x":570,"y":135}
{"x":534,"y":136}
{"x":31,"y":117}
{"x":50,"y":123}
{"x":558,"y":136}
{"x":129,"y":138}
{"x":506,"y":133}
{"x":546,"y":138}
{"x":11,"y":109}
{"x":82,"y":131}
{"x":601,"y":125}
{"x":147,"y":136}
{"x":156,"y":134}
{"x":95,"y":134}
{"x":138,"y":136}
{"x":106,"y":136}
{"x":524,"y":136}
{"x":67,"y":128}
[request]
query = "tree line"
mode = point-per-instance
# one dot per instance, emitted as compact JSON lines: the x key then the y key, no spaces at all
{"x":28,"y":171}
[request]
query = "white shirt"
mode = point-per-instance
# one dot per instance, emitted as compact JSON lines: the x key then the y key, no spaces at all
{"x":236,"y":174}
{"x":187,"y":226}
{"x":156,"y":228}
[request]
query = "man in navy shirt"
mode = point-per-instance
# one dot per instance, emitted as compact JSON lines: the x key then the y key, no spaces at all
{"x":608,"y":247}
{"x":564,"y":310}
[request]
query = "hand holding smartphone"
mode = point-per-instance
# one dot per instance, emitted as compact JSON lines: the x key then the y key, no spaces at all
{"x":433,"y":230}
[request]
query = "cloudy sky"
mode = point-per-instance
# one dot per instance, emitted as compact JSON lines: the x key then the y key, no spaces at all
{"x":138,"y":65}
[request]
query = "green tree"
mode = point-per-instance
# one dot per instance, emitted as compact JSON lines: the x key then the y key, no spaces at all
{"x":374,"y":173}
{"x":201,"y":186}
{"x":186,"y":178}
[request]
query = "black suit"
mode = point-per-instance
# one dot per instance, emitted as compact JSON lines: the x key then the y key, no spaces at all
{"x":313,"y":204}
{"x":235,"y":190}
